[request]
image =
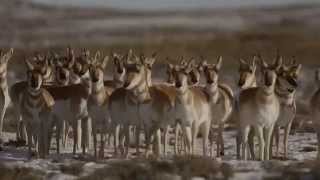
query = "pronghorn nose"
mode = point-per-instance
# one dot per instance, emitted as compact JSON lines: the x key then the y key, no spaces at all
{"x":126,"y":84}
{"x":178,"y":84}
{"x":290,"y":90}
{"x":241,"y":83}
{"x":210,"y":81}
{"x":120,"y":70}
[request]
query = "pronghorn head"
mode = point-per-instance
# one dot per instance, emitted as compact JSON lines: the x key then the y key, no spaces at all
{"x":171,"y":70}
{"x":288,"y":78}
{"x":195,"y":72}
{"x":62,"y":73}
{"x":97,"y":68}
{"x":136,"y":74}
{"x":181,"y":78}
{"x":4,"y":58}
{"x":269,"y":74}
{"x":119,"y":71}
{"x":44,"y":64}
{"x":170,"y":73}
{"x":211,"y":72}
{"x":247,"y":73}
{"x":317,"y":75}
{"x":34,"y":76}
{"x":148,"y":63}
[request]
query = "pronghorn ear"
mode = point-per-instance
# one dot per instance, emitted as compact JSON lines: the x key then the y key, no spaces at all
{"x":8,"y":55}
{"x":105,"y":62}
{"x":154,"y":55}
{"x":183,"y":62}
{"x":264,"y":65}
{"x":219,"y":63}
{"x":297,"y":69}
{"x":278,"y":62}
{"x":30,"y":66}
{"x":317,"y":74}
{"x":254,"y":63}
{"x":242,"y":63}
{"x":97,"y":55}
{"x":200,"y":67}
{"x":191,"y":63}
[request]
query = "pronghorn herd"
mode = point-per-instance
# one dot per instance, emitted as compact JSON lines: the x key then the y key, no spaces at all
{"x":68,"y":92}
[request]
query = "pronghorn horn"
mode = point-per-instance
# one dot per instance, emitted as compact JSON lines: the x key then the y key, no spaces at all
{"x":219,"y":63}
{"x":242,"y":62}
{"x":30,"y":66}
{"x":105,"y":62}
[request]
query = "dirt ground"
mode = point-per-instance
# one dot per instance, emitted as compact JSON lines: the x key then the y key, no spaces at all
{"x":232,"y":33}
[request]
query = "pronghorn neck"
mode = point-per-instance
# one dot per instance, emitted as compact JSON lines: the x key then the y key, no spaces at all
{"x":74,"y":78}
{"x":266,"y":95}
{"x":117,"y":82}
{"x":97,"y":87}
{"x":141,"y":92}
{"x":213,"y":93}
{"x":34,"y":92}
{"x":98,"y":93}
{"x":48,"y":76}
{"x":3,"y":79}
{"x":185,"y":97}
{"x":285,"y":98}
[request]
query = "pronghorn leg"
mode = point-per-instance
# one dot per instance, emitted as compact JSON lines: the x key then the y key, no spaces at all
{"x":157,"y":140}
{"x":211,"y":141}
{"x":147,"y":132}
{"x":238,"y":144}
{"x":205,"y":129}
{"x":267,"y":133}
{"x":176,"y":139}
{"x":220,"y":143}
{"x":188,"y":138}
{"x":86,"y":132}
{"x":285,"y":139}
{"x":3,"y":111}
{"x":58,"y":135}
{"x":165,"y":136}
{"x":127,"y":140}
{"x":64,"y":133}
{"x":259,"y":132}
{"x":94,"y":135}
{"x":116,"y":139}
{"x":244,"y":142}
{"x":318,"y":136}
{"x":137,"y":135}
{"x":102,"y":144}
{"x":76,"y":137}
{"x":195,"y":130}
{"x":277,"y":140}
{"x":251,"y":144}
{"x":29,"y":135}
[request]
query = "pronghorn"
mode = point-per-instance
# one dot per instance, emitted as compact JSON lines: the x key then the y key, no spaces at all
{"x":36,"y":104}
{"x":192,"y":108}
{"x":98,"y":101}
{"x":5,"y":99}
{"x":221,"y":100}
{"x":315,"y":110}
{"x":285,"y":89}
{"x":44,"y":65}
{"x":150,"y":103}
{"x":258,"y":108}
{"x":248,"y":79}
